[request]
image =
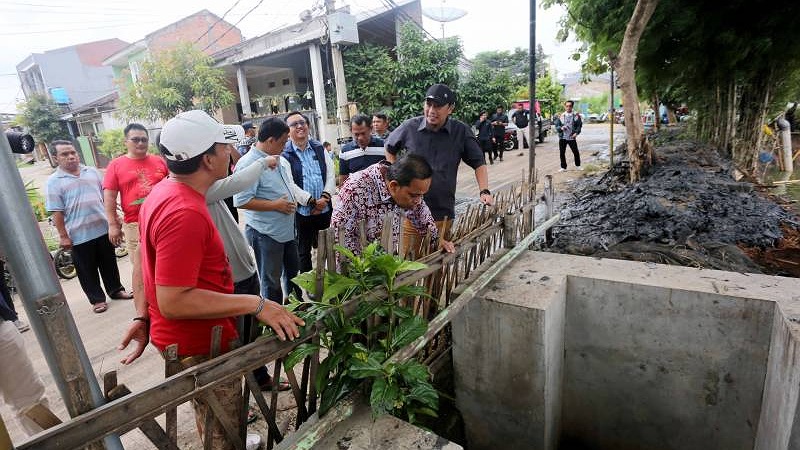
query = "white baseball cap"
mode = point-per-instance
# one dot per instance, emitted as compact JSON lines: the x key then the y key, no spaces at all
{"x":191,"y":133}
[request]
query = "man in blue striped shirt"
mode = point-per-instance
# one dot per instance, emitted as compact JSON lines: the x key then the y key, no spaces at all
{"x":312,"y":170}
{"x":74,"y":195}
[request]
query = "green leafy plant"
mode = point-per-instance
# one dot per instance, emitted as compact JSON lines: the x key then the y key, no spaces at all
{"x":112,"y":143}
{"x":36,"y":200}
{"x":357,"y":353}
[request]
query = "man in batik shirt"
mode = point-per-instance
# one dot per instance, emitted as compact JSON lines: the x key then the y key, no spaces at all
{"x":380,"y":189}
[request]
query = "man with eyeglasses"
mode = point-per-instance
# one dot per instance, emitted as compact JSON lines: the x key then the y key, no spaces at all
{"x":131,"y":176}
{"x":312,"y":170}
{"x":444,"y":142}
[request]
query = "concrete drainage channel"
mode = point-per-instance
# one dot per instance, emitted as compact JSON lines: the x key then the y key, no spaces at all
{"x":573,"y":352}
{"x":570,"y":352}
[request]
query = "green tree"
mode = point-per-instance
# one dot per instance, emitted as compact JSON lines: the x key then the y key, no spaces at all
{"x":176,"y":80}
{"x":483,"y":89}
{"x":42,"y":117}
{"x":370,"y":72}
{"x":549,"y":93}
{"x":516,"y":62}
{"x":422,"y":62}
{"x":733,"y":63}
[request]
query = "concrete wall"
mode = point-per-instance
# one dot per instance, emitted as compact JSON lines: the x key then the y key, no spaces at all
{"x":566,"y":351}
{"x":650,"y":367}
{"x":507,"y":349}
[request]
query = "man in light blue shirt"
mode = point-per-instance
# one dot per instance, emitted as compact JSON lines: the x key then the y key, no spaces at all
{"x":269,"y":208}
{"x":74,"y":195}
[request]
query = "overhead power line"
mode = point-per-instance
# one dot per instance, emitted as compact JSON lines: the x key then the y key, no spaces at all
{"x":234,"y":25}
{"x":17,"y":33}
{"x":217,"y":21}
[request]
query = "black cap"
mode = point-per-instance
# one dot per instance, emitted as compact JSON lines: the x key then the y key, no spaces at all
{"x":247,"y":125}
{"x":440,"y":94}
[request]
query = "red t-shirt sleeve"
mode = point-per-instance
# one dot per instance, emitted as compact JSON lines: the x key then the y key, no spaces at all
{"x":180,"y":248}
{"x":110,"y":179}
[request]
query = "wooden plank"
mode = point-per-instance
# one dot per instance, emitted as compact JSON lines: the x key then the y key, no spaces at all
{"x":150,"y":427}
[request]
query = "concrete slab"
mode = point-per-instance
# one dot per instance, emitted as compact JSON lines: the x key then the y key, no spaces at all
{"x":564,"y":350}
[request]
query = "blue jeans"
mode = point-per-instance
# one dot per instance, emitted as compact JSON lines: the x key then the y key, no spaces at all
{"x":272,"y":259}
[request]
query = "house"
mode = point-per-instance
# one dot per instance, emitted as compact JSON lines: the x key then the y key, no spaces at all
{"x":295,"y":68}
{"x":72,"y":76}
{"x":210,"y":33}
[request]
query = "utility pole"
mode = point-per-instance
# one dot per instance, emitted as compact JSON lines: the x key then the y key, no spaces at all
{"x":342,"y":111}
{"x":43,"y":298}
{"x":532,"y":136}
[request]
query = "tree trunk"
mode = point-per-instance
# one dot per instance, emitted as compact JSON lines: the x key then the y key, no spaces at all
{"x":640,"y":152}
{"x":752,"y":109}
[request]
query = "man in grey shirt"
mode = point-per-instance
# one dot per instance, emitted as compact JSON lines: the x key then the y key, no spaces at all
{"x":444,"y":142}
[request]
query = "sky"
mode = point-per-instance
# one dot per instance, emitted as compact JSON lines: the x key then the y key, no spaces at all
{"x":34,"y":26}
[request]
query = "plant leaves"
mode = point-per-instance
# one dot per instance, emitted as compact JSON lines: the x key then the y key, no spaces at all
{"x":406,"y":266}
{"x":413,"y":372}
{"x":383,"y":397}
{"x":425,"y":394}
{"x":360,"y":369}
{"x":307,"y":281}
{"x":408,"y":330}
{"x":300,"y":353}
{"x":332,"y":393}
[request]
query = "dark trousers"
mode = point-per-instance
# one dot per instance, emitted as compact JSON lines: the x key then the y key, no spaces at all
{"x":5,"y":292}
{"x":486,"y":146}
{"x":307,"y":229}
{"x":247,"y":324}
{"x":95,"y":259}
{"x":499,"y":146}
{"x":274,"y":258}
{"x":562,"y":149}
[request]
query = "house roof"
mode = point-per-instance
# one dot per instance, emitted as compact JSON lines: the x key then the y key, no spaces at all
{"x":292,"y":36}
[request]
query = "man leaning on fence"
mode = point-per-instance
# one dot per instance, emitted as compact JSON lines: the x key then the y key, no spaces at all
{"x":381,"y":189}
{"x":187,"y":278}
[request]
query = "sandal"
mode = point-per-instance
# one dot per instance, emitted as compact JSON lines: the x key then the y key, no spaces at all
{"x":100,"y":307}
{"x":283,"y":385}
{"x":121,"y":294}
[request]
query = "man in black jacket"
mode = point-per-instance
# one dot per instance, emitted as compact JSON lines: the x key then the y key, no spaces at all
{"x":569,"y":125}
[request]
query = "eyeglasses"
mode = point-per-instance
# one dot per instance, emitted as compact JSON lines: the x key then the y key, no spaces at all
{"x":298,"y":123}
{"x":138,"y":140}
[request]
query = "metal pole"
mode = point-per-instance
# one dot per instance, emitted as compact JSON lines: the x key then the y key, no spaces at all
{"x":532,"y":90}
{"x":613,"y":118}
{"x":42,"y":297}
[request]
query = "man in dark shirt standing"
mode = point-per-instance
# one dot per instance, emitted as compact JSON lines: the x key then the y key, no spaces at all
{"x":444,"y":142}
{"x":499,"y":124}
{"x":484,"y":128}
{"x":522,"y":118}
{"x":363,"y":151}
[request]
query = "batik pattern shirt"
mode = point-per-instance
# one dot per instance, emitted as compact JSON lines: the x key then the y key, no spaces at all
{"x":364,"y":196}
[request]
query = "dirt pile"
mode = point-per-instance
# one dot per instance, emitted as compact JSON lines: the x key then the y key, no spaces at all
{"x":687,"y":211}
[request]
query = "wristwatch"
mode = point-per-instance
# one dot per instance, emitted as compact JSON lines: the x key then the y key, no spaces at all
{"x":485,"y":191}
{"x":312,"y":202}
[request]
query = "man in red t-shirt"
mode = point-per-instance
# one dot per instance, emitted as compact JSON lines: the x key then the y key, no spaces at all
{"x":187,"y":279}
{"x":132,"y":176}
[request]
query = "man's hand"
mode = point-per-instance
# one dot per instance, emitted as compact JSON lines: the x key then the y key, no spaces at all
{"x":572,"y":136}
{"x":115,"y":234}
{"x":322,"y":202}
{"x":283,"y":322}
{"x":137,"y":332}
{"x":65,"y":242}
{"x":447,"y":246}
{"x":487,"y":199}
{"x":285,"y":206}
{"x":271,"y":162}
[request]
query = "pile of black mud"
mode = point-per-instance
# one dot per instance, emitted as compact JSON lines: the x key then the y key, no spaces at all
{"x":687,"y":211}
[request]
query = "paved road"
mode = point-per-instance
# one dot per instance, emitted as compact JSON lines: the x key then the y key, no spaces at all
{"x":592,"y":141}
{"x":101,"y":332}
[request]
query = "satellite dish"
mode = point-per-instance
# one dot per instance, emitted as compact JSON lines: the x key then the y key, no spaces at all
{"x":443,"y":14}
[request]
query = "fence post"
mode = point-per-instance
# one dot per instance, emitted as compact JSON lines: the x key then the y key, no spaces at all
{"x":509,"y":231}
{"x":548,"y":203}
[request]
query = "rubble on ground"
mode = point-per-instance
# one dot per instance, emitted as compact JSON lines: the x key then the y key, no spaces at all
{"x":687,"y":211}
